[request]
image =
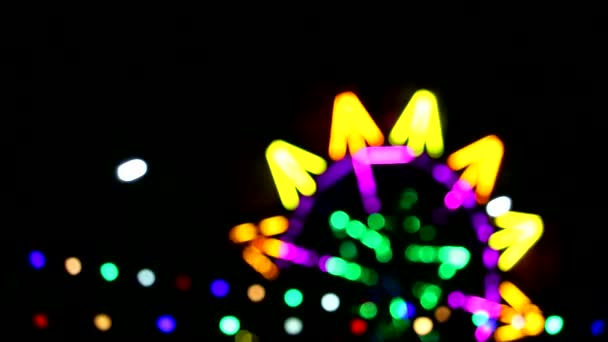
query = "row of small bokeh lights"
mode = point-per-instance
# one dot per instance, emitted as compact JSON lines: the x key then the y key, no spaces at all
{"x":230,"y":325}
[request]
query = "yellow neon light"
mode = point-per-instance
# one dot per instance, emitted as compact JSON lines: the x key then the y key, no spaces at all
{"x":419,"y":124}
{"x":482,"y":162}
{"x":289,"y":165}
{"x":519,"y":233}
{"x":522,"y":317}
{"x":352,"y":127}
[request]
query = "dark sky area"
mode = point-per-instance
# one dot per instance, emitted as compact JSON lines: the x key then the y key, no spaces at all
{"x":200,"y":105}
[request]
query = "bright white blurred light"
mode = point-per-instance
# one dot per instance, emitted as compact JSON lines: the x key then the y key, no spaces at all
{"x":293,"y":326}
{"x":146,"y":277}
{"x":330,"y":302}
{"x":131,"y":170}
{"x":498,"y":206}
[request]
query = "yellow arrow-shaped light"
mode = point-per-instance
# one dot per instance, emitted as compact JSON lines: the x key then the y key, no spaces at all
{"x":351,"y":127}
{"x":482,"y":162}
{"x":419,"y":125}
{"x":522,"y":317}
{"x":519,"y":233}
{"x":290,"y":167}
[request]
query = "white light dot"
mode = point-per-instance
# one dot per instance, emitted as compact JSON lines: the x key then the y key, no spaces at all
{"x":330,"y":302}
{"x":498,"y":206}
{"x":293,"y":326}
{"x":131,"y":170}
{"x":518,"y":322}
{"x":146,"y":277}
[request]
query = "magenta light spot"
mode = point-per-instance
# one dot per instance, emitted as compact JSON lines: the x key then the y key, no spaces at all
{"x":483,"y":333}
{"x":323,"y":263}
{"x":453,"y":200}
{"x":462,"y":186}
{"x":456,"y":299}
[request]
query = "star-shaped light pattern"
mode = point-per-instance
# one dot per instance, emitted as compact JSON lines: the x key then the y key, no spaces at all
{"x":394,"y":305}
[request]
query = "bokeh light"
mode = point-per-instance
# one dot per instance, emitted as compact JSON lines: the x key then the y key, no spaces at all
{"x":423,"y":326}
{"x":597,"y":327}
{"x":109,"y":271}
{"x":166,"y":324}
{"x":37,"y":259}
{"x":498,"y":206}
{"x":293,"y":297}
{"x":245,"y":336}
{"x":358,"y":326}
{"x":293,"y":326}
{"x":442,"y":314}
{"x":220,"y":288}
{"x":131,"y":170}
{"x":183,"y":282}
{"x":73,"y":266}
{"x":330,"y":302}
{"x":40,"y":320}
{"x":554,"y":325}
{"x":256,"y":293}
{"x":102,"y":322}
{"x":229,"y":325}
{"x":146,"y":277}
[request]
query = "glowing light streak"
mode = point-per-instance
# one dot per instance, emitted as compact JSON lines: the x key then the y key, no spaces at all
{"x":520,"y":231}
{"x":351,"y":127}
{"x":523,"y":318}
{"x":362,"y":166}
{"x":289,"y":166}
{"x":419,"y":125}
{"x":250,"y":234}
{"x":481,"y":162}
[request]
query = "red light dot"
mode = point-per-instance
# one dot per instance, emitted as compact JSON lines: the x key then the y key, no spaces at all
{"x":41,"y":321}
{"x":183,"y":282}
{"x":358,"y":326}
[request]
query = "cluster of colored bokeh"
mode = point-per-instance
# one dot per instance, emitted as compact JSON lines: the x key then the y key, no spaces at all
{"x":229,"y":325}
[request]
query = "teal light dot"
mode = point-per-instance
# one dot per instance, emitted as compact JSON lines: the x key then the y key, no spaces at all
{"x":339,"y":220}
{"x":109,"y":271}
{"x":553,"y":325}
{"x":293,"y":298}
{"x":230,"y":325}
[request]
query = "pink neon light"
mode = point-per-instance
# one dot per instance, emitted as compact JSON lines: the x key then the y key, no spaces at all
{"x":459,"y":195}
{"x":366,"y":181}
{"x":483,"y":333}
{"x":473,"y":304}
{"x":379,"y":155}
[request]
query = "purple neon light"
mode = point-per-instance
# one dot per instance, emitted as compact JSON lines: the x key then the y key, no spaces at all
{"x":483,"y":332}
{"x":490,"y":258}
{"x":460,"y":194}
{"x":366,"y":181}
{"x":491,"y":284}
{"x":483,"y":232}
{"x":456,"y":299}
{"x":377,"y":155}
{"x":334,"y":173}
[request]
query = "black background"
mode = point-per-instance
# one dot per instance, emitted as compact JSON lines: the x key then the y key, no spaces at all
{"x":201,"y":103}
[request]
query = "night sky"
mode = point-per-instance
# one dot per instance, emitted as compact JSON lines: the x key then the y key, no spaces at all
{"x":201,"y":109}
